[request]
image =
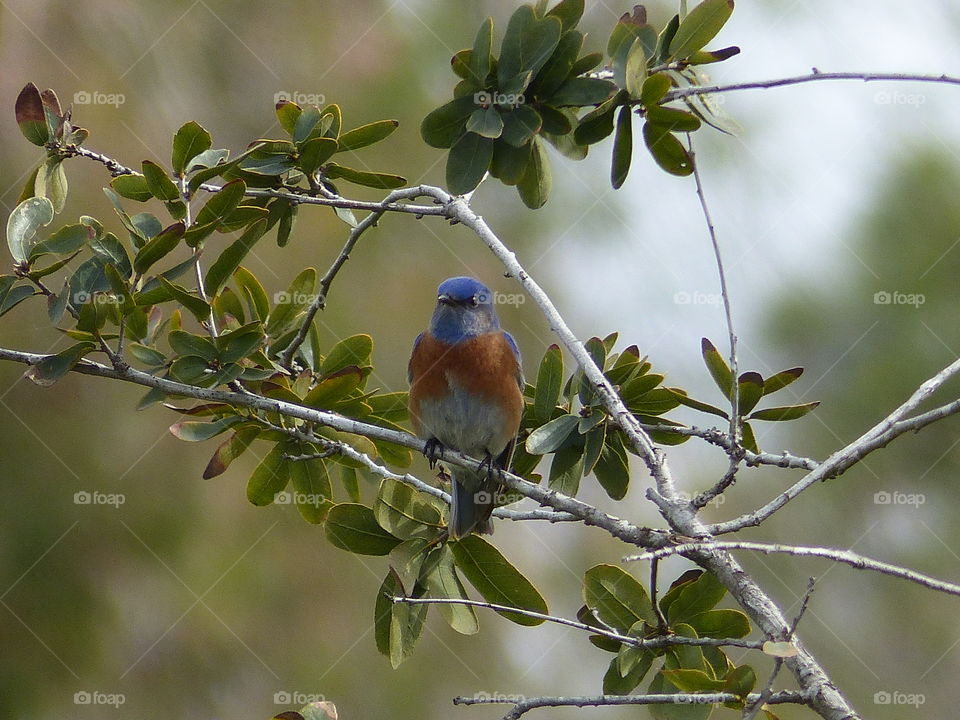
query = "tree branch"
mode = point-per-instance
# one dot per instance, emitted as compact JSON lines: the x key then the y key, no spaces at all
{"x":523,"y":705}
{"x":852,"y":559}
{"x":649,"y":643}
{"x":814,"y":76}
{"x":880,"y":435}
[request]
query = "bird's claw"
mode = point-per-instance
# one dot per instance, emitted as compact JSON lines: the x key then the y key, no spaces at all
{"x":432,"y":450}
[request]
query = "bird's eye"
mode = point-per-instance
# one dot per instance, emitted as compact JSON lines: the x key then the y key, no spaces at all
{"x":474,"y":301}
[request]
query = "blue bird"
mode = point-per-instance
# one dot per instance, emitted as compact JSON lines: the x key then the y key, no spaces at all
{"x":466,"y":394}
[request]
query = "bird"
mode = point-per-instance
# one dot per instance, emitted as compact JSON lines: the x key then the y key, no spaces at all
{"x":466,"y":394}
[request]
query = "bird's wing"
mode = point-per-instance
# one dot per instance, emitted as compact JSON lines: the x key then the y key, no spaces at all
{"x":516,"y":354}
{"x":416,"y":344}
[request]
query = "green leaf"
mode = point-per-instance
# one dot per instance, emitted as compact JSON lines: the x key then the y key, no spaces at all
{"x":53,"y":367}
{"x":229,"y":450}
{"x":749,"y":391}
{"x":720,"y":624}
{"x":67,"y":239}
{"x":147,"y":355}
{"x":405,"y":513}
{"x":612,"y":469}
{"x":197,"y":306}
{"x":654,"y":88}
{"x":207,"y":159}
{"x":334,"y":387}
{"x":353,"y":527}
{"x":781,"y":380}
{"x":216,"y":211}
{"x":383,"y":181}
{"x":740,"y":681}
{"x":549,"y":383}
{"x":616,"y":684}
{"x":23,"y":223}
{"x":237,"y":344}
{"x":719,"y":370}
{"x":667,"y":150}
{"x":390,"y":588}
{"x":537,"y":181}
{"x":705,"y":57}
{"x":230,"y":259}
{"x":635,"y":71}
{"x":158,"y":247}
{"x":696,"y":711}
{"x":594,"y":443}
{"x":14,"y":297}
{"x":441,"y":127}
{"x":547,"y":438}
{"x":253,"y":291}
{"x":749,"y":440}
{"x":622,"y":147}
{"x":397,"y":626}
{"x":468,"y":161}
{"x":51,"y":182}
{"x":566,"y":470}
{"x":700,"y":26}
{"x":509,"y":163}
{"x":598,"y":123}
{"x":289,"y":304}
{"x":617,"y":598}
{"x":486,"y":122}
{"x":315,"y":152}
{"x":693,"y":681}
{"x":672,"y":119}
{"x":444,"y":582}
{"x":188,"y":142}
{"x":30,"y":115}
{"x":496,"y":579}
{"x":270,"y":476}
{"x":696,"y":404}
{"x":696,"y":598}
{"x":311,"y":483}
{"x":581,"y":91}
{"x":184,"y":343}
{"x":366,"y":134}
{"x":479,"y":63}
{"x":568,"y":12}
{"x":558,"y":69}
{"x":527,"y":44}
{"x":303,"y":128}
{"x":159,"y":183}
{"x":192,"y":431}
{"x":788,"y":412}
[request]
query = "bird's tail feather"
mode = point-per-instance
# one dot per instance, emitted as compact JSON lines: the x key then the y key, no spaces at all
{"x":471,"y":506}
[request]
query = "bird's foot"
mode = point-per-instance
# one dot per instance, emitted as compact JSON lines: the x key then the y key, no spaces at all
{"x":432,"y":450}
{"x":488,"y":468}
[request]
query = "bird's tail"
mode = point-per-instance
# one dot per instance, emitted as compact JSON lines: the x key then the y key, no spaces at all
{"x":472,"y":503}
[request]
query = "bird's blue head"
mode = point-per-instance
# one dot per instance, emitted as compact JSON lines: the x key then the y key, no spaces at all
{"x":464,"y":310}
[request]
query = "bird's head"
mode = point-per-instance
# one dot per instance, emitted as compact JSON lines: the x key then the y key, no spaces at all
{"x":464,"y":310}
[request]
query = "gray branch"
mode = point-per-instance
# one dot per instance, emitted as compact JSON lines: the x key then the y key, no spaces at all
{"x":852,"y":559}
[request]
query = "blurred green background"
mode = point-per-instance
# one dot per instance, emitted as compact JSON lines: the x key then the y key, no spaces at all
{"x":189,"y":602}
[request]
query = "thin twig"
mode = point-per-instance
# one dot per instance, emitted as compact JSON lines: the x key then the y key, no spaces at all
{"x":843,"y":556}
{"x":654,"y":601}
{"x":814,"y":76}
{"x":652,"y":643}
{"x":880,"y":435}
{"x":523,"y":705}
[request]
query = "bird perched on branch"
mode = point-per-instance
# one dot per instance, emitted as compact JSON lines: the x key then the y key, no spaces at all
{"x":466,"y":394}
